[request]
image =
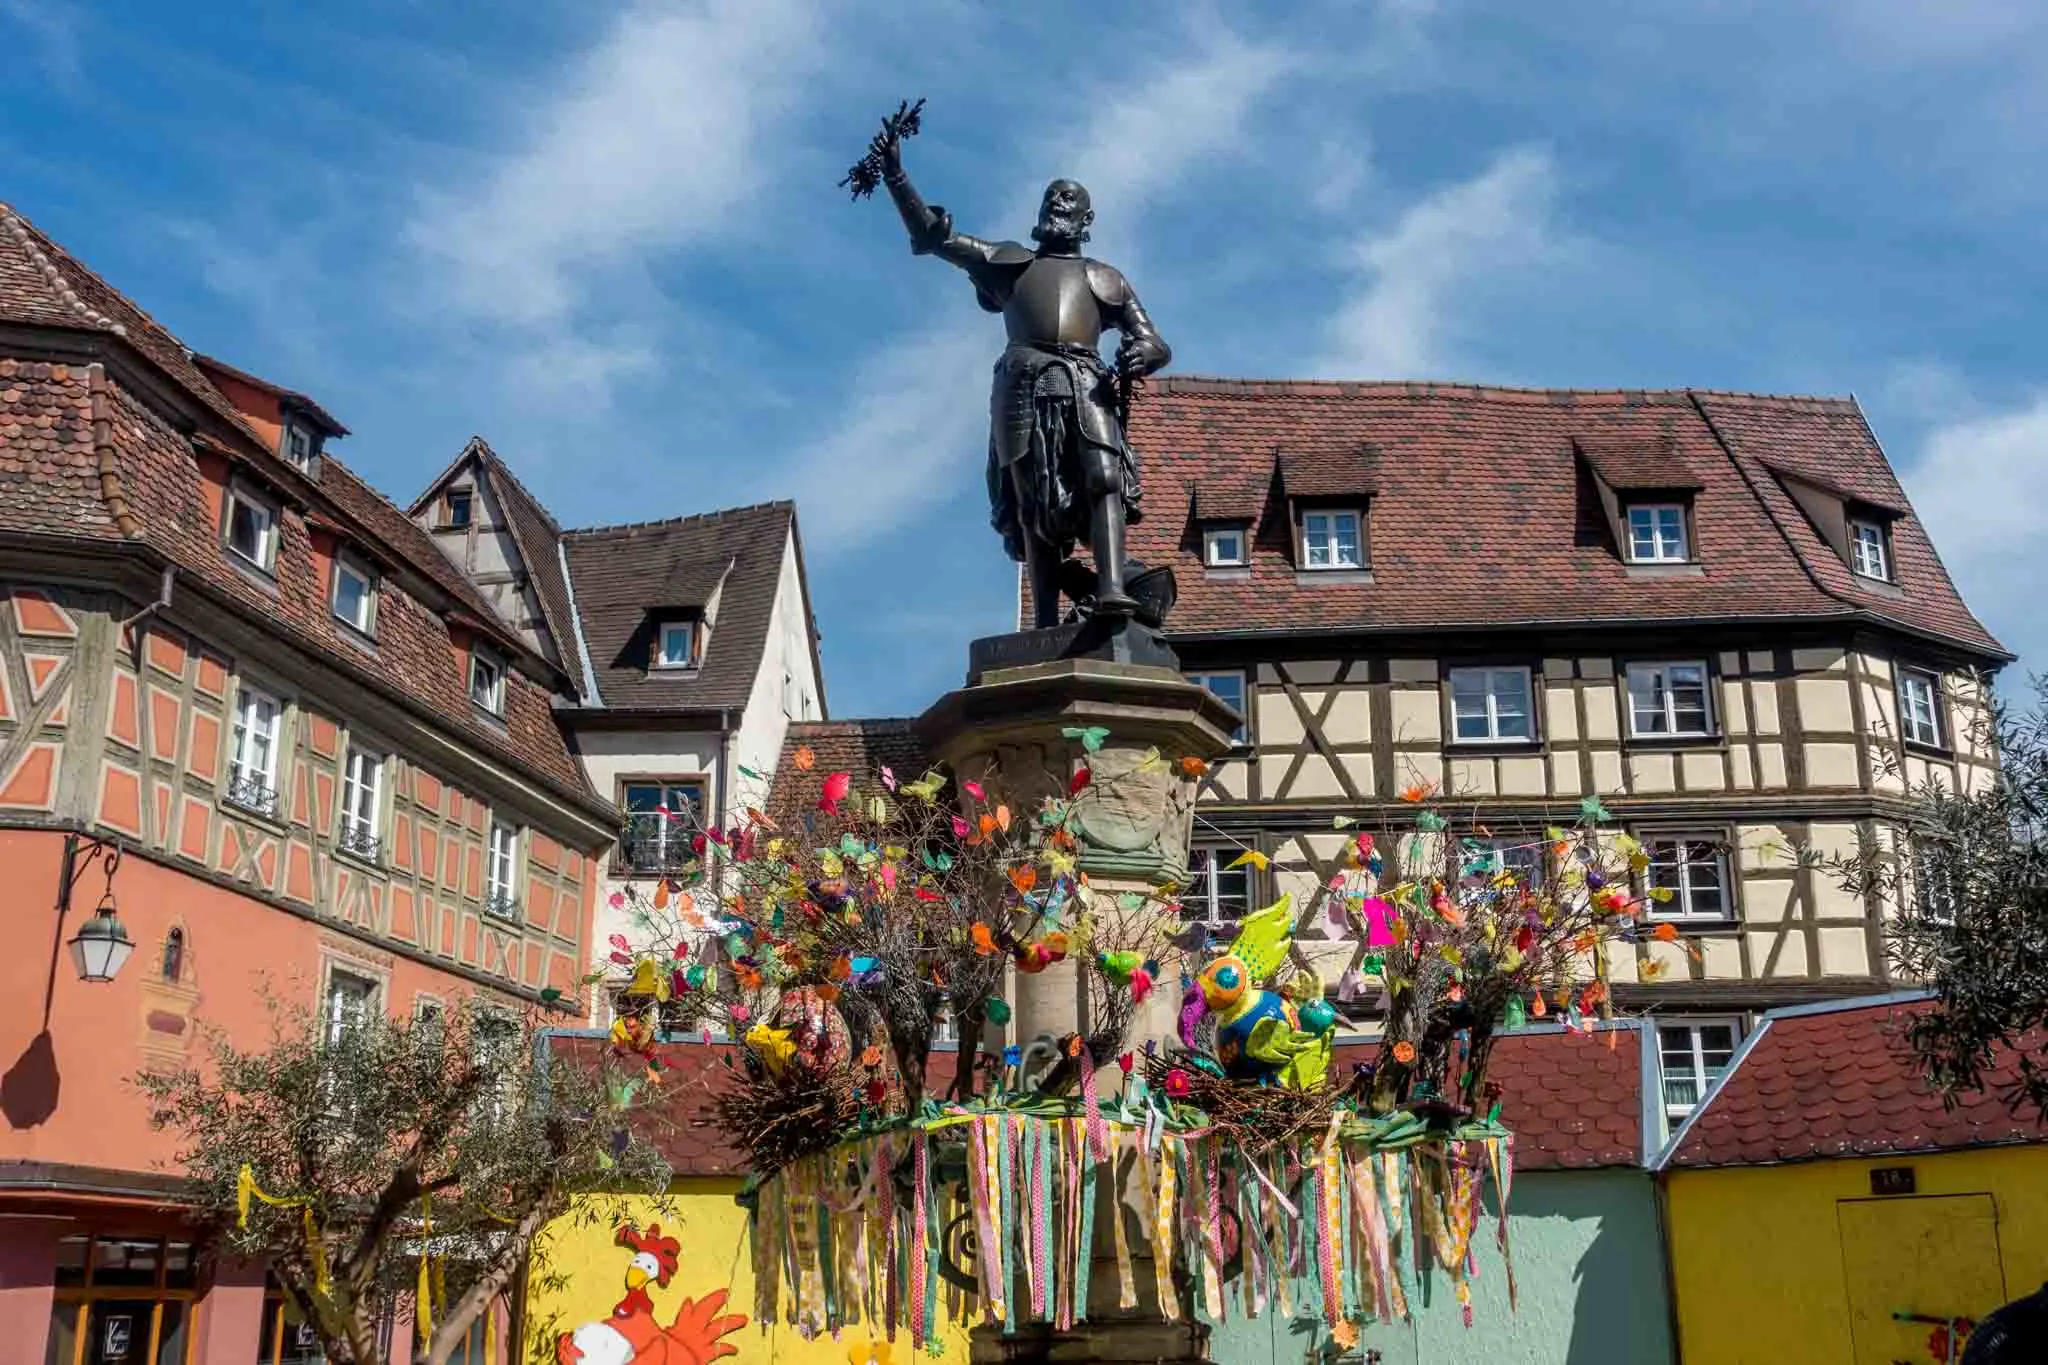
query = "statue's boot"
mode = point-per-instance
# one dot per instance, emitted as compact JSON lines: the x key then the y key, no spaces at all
{"x":1106,"y":539}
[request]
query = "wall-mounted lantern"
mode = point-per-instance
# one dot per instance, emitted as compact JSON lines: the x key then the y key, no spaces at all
{"x":101,"y":944}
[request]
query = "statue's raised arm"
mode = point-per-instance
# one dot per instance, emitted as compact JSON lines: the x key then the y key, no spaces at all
{"x":1060,"y":468}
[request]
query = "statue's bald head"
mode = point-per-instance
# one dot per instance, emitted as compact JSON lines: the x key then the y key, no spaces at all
{"x":1064,"y":215}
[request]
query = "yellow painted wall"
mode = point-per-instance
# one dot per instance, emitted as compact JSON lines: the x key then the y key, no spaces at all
{"x":713,"y":1232}
{"x":1759,"y":1266}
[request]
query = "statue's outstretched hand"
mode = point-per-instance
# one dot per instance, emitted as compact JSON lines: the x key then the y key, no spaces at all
{"x":887,"y":147}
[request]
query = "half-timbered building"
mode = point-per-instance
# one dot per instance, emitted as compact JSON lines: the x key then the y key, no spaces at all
{"x":1715,"y":612}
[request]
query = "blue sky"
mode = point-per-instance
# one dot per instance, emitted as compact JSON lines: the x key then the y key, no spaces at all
{"x":607,"y":237}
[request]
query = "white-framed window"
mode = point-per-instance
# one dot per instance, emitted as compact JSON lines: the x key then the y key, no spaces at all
{"x":1656,"y":533}
{"x":676,"y":645}
{"x":249,"y":525}
{"x":355,"y":593}
{"x":1669,"y":699}
{"x":362,"y":795}
{"x":486,"y":681}
{"x":501,"y":877}
{"x":1491,"y":704}
{"x":252,"y":762}
{"x":1694,"y":869}
{"x":663,"y":819}
{"x":350,"y":999}
{"x":1521,"y":854}
{"x":1691,"y":1056}
{"x":1934,"y":890}
{"x":455,"y":508}
{"x":1217,"y":893}
{"x":1228,"y":684}
{"x":299,"y":444}
{"x":1920,"y":706}
{"x":1869,"y":549}
{"x":1225,"y":547}
{"x":1331,"y":540}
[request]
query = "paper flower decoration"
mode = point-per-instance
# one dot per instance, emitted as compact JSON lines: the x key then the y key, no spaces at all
{"x":1177,"y":1083}
{"x":1404,"y":1052}
{"x":803,"y":758}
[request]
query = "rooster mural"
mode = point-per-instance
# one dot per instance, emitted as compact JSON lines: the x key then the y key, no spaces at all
{"x":631,"y":1336}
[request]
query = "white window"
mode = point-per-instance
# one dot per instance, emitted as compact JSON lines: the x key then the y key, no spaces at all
{"x":1227,"y":685}
{"x":678,"y":645}
{"x":486,"y":682}
{"x":1217,"y":893}
{"x":355,"y":594}
{"x":350,"y":998}
{"x":1694,"y":869}
{"x":251,"y":527}
{"x":663,"y":820}
{"x":362,"y":791}
{"x":299,"y":444}
{"x":1669,"y":699}
{"x":1330,"y":540}
{"x":1920,"y":706}
{"x":1656,"y":533}
{"x":1519,"y":854}
{"x":1223,"y":547}
{"x":945,"y":1024}
{"x":1934,"y":888}
{"x":1692,"y":1055}
{"x":1868,"y":554}
{"x":501,"y":889}
{"x":252,"y":765}
{"x":1490,"y":704}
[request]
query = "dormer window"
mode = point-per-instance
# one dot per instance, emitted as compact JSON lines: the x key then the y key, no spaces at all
{"x":1224,"y":547}
{"x":1657,"y":533}
{"x":355,"y":594}
{"x":1331,"y":539}
{"x":249,"y":526}
{"x":455,"y":508}
{"x":299,"y":444}
{"x":1870,"y":550}
{"x":676,"y":645}
{"x":487,"y":682}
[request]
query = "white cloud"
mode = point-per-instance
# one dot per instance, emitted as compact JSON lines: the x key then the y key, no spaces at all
{"x":916,"y":415}
{"x":52,"y":31}
{"x":654,"y":139}
{"x":1981,"y":487}
{"x":1401,"y":322}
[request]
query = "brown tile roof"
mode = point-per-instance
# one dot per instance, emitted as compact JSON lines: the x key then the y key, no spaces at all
{"x":1837,"y":1080}
{"x":49,"y":484}
{"x":1484,"y":514}
{"x":625,"y":576}
{"x":1573,"y":1100}
{"x":860,"y":747}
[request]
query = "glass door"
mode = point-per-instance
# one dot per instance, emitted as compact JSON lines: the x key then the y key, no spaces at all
{"x":122,"y":1300}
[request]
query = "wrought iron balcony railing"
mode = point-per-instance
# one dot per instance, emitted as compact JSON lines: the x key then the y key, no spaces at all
{"x":356,"y":838}
{"x":249,"y":791}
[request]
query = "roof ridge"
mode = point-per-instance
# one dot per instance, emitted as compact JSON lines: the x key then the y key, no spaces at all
{"x":26,"y":233}
{"x":1254,"y":387}
{"x":497,"y":461}
{"x":630,"y":526}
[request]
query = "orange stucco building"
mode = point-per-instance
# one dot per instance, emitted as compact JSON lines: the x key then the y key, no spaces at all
{"x":250,"y":705}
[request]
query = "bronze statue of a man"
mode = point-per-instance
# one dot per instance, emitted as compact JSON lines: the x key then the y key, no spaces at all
{"x":1060,"y":469}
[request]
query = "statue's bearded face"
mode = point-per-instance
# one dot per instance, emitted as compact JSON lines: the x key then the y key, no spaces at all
{"x":1064,"y":214}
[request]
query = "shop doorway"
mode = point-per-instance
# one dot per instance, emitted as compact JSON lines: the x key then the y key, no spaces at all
{"x":123,"y":1300}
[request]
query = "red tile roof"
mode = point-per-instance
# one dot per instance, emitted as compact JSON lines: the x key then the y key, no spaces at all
{"x":1573,"y":1100}
{"x":51,"y":451}
{"x":1484,"y":511}
{"x":1838,"y":1081}
{"x":860,"y":747}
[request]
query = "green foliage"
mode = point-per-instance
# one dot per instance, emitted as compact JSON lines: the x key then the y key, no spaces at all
{"x":1969,"y":875}
{"x":456,"y":1135}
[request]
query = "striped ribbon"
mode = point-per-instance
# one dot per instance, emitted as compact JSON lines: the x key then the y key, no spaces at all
{"x":920,"y":1326}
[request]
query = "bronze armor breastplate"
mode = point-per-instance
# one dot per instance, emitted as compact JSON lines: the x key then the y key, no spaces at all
{"x":1052,"y":302}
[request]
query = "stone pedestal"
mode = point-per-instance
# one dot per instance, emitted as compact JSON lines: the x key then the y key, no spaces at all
{"x":1017,"y":731}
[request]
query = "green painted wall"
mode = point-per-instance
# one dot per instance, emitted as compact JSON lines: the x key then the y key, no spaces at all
{"x":1589,"y":1275}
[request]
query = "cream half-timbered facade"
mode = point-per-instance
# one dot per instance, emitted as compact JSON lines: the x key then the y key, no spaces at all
{"x":1716,"y":613}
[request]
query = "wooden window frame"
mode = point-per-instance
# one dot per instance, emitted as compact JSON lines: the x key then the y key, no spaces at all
{"x":659,"y":663}
{"x":1685,"y":537}
{"x":241,"y":493}
{"x":501,"y":897}
{"x":1882,"y":533}
{"x":450,"y":497}
{"x":1935,"y":697}
{"x":242,"y":785}
{"x":82,"y":1297}
{"x":1676,"y":910}
{"x":622,"y":868}
{"x":1219,"y":855}
{"x":493,"y":703}
{"x":1213,"y":559}
{"x":344,"y":562}
{"x":1493,"y":736}
{"x":1711,"y":721}
{"x":1674,"y":1113}
{"x":1301,"y":541}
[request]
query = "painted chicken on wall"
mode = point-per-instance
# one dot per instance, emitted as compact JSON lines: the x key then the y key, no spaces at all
{"x":631,"y":1336}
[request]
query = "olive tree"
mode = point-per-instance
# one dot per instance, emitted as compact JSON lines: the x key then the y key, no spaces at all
{"x":346,"y":1152}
